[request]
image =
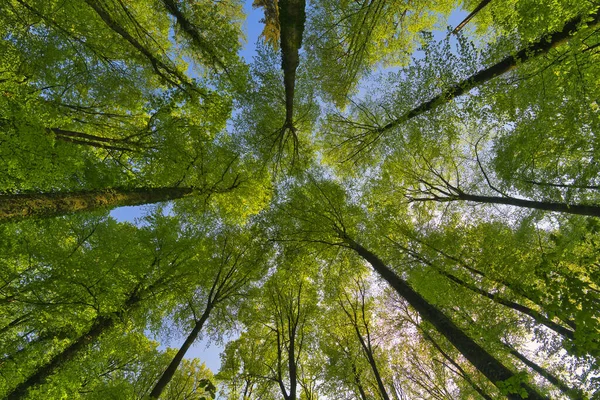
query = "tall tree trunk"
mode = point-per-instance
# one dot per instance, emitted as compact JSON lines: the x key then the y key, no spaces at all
{"x":537,"y":316}
{"x":16,"y":322}
{"x":292,"y":367}
{"x":247,"y":394}
{"x":99,"y":326}
{"x":169,"y":73}
{"x":543,"y":45}
{"x":170,"y":371}
{"x":90,"y":140}
{"x":578,"y":209}
{"x":470,"y":16}
{"x":14,"y":207}
{"x":489,"y":366}
{"x":564,"y":388}
{"x":92,"y":144}
{"x":292,"y":17}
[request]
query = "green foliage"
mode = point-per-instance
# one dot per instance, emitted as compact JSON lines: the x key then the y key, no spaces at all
{"x":153,"y":93}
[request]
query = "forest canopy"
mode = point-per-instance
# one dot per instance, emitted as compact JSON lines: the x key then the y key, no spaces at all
{"x":391,"y":200}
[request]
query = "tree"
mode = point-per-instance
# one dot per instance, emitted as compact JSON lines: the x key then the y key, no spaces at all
{"x":279,"y":329}
{"x":85,"y":285}
{"x":407,"y":216}
{"x":357,"y":37}
{"x":236,"y":267}
{"x":329,"y":215}
{"x":363,"y":136}
{"x":88,"y":115}
{"x":356,"y":310}
{"x":20,"y":206}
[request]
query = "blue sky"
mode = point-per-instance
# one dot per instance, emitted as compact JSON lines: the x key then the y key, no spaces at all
{"x":208,"y":352}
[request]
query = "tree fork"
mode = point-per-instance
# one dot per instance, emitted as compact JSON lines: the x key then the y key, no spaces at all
{"x":488,"y":365}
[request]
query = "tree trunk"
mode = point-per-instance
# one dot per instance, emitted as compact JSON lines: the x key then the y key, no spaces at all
{"x":489,"y":366}
{"x":470,"y":16}
{"x":100,"y":325}
{"x":167,"y":72}
{"x":578,"y":209}
{"x":571,"y":393}
{"x":293,"y":369}
{"x":279,"y":366}
{"x":543,"y":45}
{"x":170,"y":371}
{"x":14,"y":207}
{"x":537,"y":316}
{"x":16,"y":322}
{"x":292,"y":16}
{"x":92,"y":144}
{"x":90,"y":140}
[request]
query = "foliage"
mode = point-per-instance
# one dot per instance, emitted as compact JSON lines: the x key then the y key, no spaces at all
{"x":435,"y":204}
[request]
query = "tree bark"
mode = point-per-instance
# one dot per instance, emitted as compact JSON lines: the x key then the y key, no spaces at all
{"x":571,"y":393}
{"x":468,"y":18}
{"x":293,"y":369}
{"x":578,"y":209}
{"x":489,"y":366}
{"x":543,"y":45}
{"x":170,"y":371}
{"x":292,"y":16}
{"x":14,"y":207}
